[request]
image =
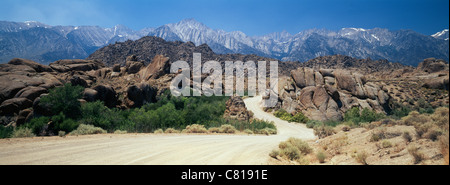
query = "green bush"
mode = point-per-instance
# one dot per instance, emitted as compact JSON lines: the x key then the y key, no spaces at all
{"x":37,"y":124}
{"x":284,"y":115}
{"x":399,"y":111}
{"x":366,"y":115}
{"x":64,"y":99}
{"x":5,"y":132}
{"x":62,"y":123}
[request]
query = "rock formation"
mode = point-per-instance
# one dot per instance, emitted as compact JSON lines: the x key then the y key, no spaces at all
{"x":236,"y":109}
{"x":326,"y":94}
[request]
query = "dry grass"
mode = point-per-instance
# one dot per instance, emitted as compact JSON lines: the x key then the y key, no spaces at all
{"x":120,"y":132}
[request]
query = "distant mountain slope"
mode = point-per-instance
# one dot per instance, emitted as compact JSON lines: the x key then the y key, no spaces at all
{"x":45,"y":44}
{"x":404,"y":46}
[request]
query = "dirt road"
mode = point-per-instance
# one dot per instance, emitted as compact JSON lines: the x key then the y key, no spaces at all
{"x":154,"y":149}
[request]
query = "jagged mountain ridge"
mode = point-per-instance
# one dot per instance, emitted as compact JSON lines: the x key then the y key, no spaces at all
{"x":404,"y":46}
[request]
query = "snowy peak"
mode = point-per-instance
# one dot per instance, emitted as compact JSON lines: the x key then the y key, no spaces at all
{"x":441,"y":35}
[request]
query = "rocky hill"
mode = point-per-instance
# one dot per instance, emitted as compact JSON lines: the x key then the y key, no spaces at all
{"x":146,"y":48}
{"x":345,"y":62}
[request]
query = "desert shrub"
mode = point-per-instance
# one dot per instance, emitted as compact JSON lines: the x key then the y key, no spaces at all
{"x":433,"y":133}
{"x":62,"y":134}
{"x":195,"y":128}
{"x":321,"y":156}
{"x":158,"y":131}
{"x":214,"y":130}
{"x":415,"y":118}
{"x":386,"y":144}
{"x":266,"y":131}
{"x":229,"y":129}
{"x":294,"y":149}
{"x":64,"y":99}
{"x":443,"y":144}
{"x":290,"y":152}
{"x":361,"y":157}
{"x":248,"y":131}
{"x":345,"y":128}
{"x":313,"y":123}
{"x":256,"y":126}
{"x":171,"y":131}
{"x":88,"y":130}
{"x":22,"y":132}
{"x":5,"y":132}
{"x":381,"y":133}
{"x":323,"y":131}
{"x":300,"y":144}
{"x":274,"y":153}
{"x":424,"y":107}
{"x":441,"y":117}
{"x":417,"y":155}
{"x":407,"y":136}
{"x":120,"y":132}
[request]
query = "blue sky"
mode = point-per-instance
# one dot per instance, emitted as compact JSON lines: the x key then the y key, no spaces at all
{"x":253,"y":17}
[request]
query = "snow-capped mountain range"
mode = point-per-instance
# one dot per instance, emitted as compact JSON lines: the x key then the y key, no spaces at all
{"x":46,"y":43}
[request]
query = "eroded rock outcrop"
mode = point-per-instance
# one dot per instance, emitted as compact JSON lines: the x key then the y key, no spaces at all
{"x":236,"y":109}
{"x":326,"y":94}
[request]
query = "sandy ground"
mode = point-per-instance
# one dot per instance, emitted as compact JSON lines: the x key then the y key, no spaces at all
{"x":154,"y":149}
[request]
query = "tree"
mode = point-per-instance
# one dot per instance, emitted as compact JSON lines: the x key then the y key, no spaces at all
{"x":64,"y":100}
